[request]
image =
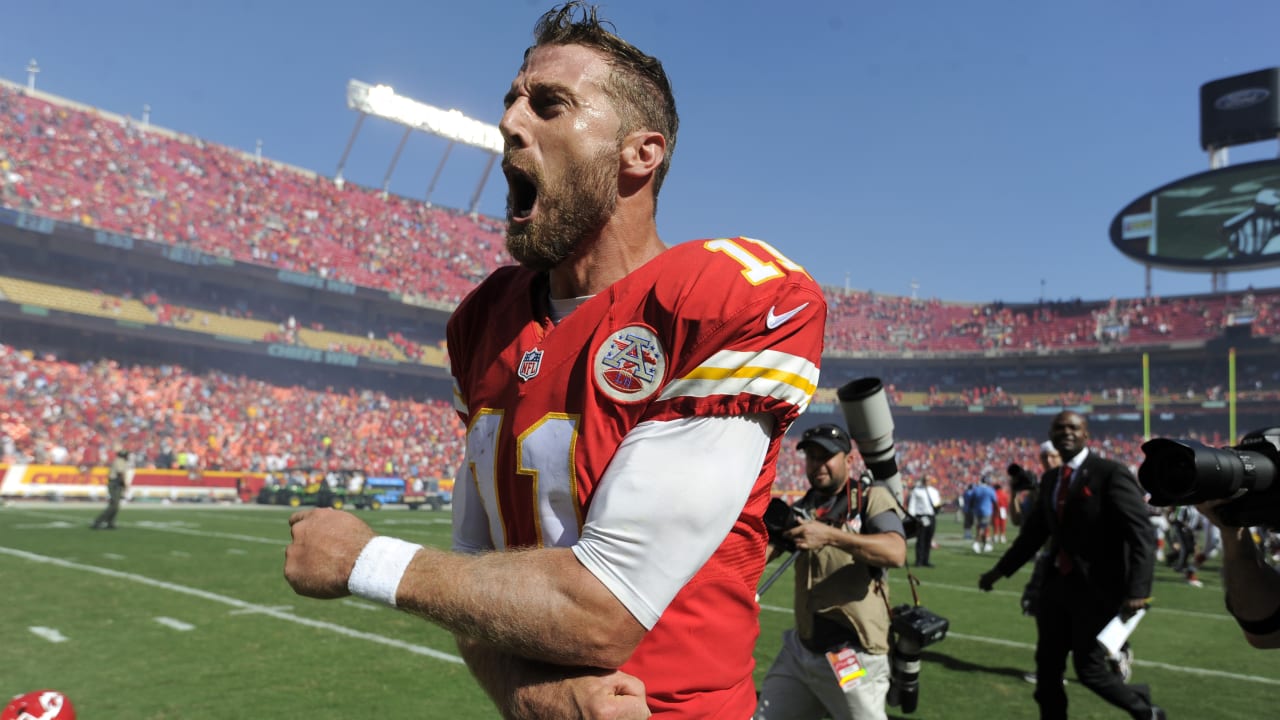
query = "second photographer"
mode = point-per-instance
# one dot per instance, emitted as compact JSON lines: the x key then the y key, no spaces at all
{"x":1234,"y":488}
{"x":846,"y":532}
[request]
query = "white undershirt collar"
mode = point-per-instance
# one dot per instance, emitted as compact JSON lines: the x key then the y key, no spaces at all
{"x":561,"y":307}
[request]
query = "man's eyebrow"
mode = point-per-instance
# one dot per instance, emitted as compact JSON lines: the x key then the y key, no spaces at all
{"x":540,"y":89}
{"x":553,"y":88}
{"x":545,"y":88}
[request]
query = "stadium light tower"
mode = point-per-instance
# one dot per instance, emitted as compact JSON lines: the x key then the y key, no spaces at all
{"x":33,"y":69}
{"x":383,"y":102}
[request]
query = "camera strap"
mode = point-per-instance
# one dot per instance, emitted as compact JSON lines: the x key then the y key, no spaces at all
{"x":841,"y":507}
{"x":913,"y":582}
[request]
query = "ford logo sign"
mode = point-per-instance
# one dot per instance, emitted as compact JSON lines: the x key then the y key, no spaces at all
{"x":1240,"y":99}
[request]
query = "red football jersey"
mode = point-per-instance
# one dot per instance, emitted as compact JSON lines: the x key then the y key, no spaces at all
{"x":720,"y":327}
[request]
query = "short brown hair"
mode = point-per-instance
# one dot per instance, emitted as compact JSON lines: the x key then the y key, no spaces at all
{"x":638,"y":85}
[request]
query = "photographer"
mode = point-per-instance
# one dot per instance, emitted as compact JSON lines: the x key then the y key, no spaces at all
{"x":835,"y":662}
{"x":1252,"y":586}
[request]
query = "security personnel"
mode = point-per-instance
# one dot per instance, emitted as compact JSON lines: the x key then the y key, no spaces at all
{"x":835,"y":662}
{"x":115,"y":490}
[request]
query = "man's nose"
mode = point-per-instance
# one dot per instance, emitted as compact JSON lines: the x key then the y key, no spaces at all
{"x":512,"y":126}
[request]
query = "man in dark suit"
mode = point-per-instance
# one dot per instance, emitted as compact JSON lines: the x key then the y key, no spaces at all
{"x":1092,"y":513}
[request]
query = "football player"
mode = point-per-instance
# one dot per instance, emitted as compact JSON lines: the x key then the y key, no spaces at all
{"x":624,"y":403}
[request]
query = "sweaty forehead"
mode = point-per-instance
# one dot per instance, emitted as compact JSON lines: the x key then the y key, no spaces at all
{"x":575,"y":67}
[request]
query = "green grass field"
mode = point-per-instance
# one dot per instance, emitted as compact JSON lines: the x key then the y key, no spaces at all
{"x":183,"y":613}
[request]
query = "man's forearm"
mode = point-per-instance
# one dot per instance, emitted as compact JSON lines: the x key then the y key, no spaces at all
{"x":885,"y":550}
{"x":531,"y":690}
{"x":1253,"y":587}
{"x":507,"y":678}
{"x":553,"y":609}
{"x":497,"y":672}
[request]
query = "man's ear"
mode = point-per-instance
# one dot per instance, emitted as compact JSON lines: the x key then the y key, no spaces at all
{"x":642,"y":153}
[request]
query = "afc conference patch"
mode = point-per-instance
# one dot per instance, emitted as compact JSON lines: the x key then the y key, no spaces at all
{"x":530,"y":364}
{"x":630,"y":364}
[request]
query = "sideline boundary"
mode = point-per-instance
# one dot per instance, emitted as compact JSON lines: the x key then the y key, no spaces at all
{"x":239,"y":605}
{"x":281,"y":614}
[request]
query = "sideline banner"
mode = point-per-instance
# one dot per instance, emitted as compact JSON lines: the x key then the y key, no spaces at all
{"x":69,"y":481}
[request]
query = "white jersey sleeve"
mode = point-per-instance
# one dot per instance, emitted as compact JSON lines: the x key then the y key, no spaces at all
{"x":668,"y":499}
{"x":470,"y":523}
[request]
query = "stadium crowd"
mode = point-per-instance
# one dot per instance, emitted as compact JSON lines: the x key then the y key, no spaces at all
{"x":952,"y":464}
{"x":54,"y":411}
{"x":79,"y":165}
{"x":101,"y":171}
{"x":867,"y":323}
{"x":225,"y":421}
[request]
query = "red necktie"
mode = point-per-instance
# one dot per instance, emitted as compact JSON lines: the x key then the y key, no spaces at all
{"x":1064,"y":485}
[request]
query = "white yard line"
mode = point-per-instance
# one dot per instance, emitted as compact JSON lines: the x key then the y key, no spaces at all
{"x":1155,"y":608}
{"x":175,"y":624}
{"x":283,"y":614}
{"x":234,"y":603}
{"x":49,"y":634}
{"x":1142,"y":663}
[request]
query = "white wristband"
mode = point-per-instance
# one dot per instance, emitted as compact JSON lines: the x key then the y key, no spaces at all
{"x":379,"y":569}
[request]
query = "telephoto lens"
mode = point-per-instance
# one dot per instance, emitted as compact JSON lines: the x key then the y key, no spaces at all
{"x":1186,"y":472}
{"x":914,"y":628}
{"x":866,"y":411}
{"x":904,"y":675}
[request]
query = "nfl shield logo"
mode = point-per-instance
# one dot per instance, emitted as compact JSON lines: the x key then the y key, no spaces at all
{"x":530,"y":364}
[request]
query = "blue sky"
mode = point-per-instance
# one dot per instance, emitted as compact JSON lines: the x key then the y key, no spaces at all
{"x":978,"y":150}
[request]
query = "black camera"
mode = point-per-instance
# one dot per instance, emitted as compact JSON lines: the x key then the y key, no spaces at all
{"x":779,"y":517}
{"x":912,"y":628}
{"x":1021,"y":478}
{"x":1185,"y":472}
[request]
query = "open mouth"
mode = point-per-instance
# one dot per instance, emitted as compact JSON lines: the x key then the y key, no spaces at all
{"x":522,"y":194}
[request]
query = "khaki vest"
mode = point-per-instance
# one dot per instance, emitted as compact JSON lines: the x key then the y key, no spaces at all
{"x":831,"y":584}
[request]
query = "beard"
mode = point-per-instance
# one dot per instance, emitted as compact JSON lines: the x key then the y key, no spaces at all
{"x":570,"y":209}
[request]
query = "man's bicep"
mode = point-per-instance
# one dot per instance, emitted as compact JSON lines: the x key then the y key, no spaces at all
{"x":669,"y":498}
{"x":885,"y":522}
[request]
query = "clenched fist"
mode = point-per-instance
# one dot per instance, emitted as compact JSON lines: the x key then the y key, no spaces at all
{"x":603,"y":695}
{"x":325,"y":546}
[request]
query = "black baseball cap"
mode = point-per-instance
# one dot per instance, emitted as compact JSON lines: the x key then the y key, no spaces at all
{"x":827,"y":436}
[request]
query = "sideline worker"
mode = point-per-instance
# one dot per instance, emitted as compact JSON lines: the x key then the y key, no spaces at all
{"x":115,"y":491}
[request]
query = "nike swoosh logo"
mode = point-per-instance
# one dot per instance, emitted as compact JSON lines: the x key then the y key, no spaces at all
{"x":772,"y":321}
